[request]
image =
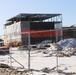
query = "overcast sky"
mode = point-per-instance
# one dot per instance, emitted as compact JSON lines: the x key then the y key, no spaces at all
{"x":10,"y":8}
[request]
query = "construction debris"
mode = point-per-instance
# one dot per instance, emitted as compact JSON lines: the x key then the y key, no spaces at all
{"x":46,"y":69}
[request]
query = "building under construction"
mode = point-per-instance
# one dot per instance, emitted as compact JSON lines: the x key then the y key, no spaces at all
{"x":69,"y":32}
{"x":40,"y":26}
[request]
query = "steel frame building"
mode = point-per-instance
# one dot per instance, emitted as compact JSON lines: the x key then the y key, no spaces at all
{"x":15,"y":25}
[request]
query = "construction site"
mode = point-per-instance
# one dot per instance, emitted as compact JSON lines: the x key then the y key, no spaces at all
{"x":40,"y":26}
{"x":35,"y":46}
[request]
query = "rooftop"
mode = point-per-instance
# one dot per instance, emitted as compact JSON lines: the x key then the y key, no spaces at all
{"x":30,"y":17}
{"x":33,"y":17}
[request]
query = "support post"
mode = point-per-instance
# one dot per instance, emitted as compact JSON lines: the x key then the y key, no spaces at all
{"x":57,"y":52}
{"x":29,"y":51}
{"x":10,"y":49}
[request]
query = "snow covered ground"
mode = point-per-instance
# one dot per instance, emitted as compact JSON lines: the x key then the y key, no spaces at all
{"x":39,"y":60}
{"x":42,"y":58}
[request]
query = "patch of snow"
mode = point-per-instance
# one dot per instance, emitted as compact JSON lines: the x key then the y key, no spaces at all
{"x":67,"y":44}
